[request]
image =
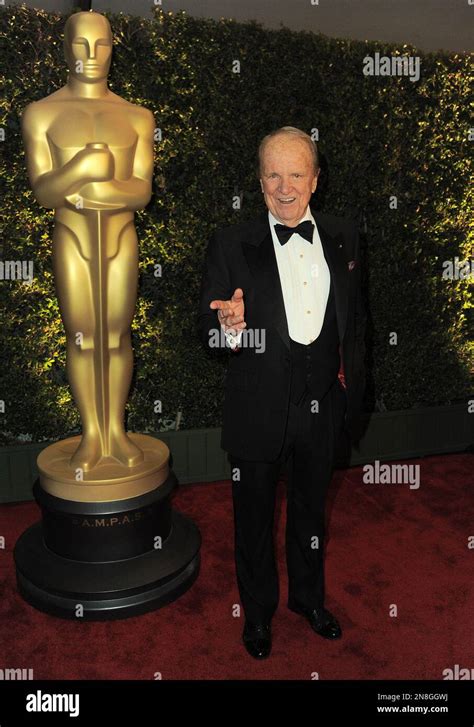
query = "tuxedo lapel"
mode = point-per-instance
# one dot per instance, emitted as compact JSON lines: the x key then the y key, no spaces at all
{"x":338,"y":271}
{"x":260,"y":255}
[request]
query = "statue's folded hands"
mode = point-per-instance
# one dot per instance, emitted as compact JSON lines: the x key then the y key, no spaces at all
{"x":129,"y":194}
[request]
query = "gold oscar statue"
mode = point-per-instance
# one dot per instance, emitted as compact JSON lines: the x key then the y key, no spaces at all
{"x":109,"y":544}
{"x":90,"y":158}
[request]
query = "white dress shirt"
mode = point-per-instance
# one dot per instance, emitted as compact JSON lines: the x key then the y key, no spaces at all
{"x":305,"y":282}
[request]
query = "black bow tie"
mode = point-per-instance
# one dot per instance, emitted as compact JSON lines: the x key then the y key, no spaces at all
{"x":305,"y":229}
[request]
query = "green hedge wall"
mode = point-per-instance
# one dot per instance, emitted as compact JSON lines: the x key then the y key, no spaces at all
{"x":379,"y":136}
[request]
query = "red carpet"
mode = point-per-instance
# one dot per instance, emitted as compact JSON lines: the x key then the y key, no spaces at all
{"x":388,"y":544}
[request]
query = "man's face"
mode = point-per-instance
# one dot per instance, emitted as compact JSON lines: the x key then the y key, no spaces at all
{"x":287,"y":178}
{"x":89,"y":41}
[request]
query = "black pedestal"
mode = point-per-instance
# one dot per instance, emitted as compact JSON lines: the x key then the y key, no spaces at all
{"x":107,"y":560}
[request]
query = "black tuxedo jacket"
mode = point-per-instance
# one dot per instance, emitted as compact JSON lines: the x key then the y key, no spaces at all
{"x":257,"y":384}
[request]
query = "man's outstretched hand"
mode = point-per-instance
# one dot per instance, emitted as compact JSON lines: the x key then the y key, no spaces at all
{"x":231,"y":312}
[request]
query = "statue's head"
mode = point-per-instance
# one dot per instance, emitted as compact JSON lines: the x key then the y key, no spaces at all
{"x":88,"y":46}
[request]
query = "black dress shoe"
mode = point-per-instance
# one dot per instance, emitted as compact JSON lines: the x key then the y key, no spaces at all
{"x":257,"y":639}
{"x":321,"y":621}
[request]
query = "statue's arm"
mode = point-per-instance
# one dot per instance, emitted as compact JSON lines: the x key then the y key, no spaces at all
{"x":133,"y":193}
{"x":143,"y":162}
{"x":49,"y":185}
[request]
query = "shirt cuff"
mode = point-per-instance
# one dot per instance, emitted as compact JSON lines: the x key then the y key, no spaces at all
{"x":233,"y":340}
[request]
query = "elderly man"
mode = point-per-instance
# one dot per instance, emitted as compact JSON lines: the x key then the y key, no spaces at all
{"x":289,"y":280}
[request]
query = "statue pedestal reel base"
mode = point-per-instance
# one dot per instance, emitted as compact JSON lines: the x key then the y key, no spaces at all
{"x":112,"y":557}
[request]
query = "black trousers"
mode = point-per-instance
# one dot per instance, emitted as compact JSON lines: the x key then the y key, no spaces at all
{"x":308,"y":451}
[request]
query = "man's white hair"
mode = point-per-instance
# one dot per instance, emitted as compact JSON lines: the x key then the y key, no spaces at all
{"x":296,"y":133}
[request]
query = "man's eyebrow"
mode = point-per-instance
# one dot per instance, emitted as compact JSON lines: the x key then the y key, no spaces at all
{"x":296,"y":171}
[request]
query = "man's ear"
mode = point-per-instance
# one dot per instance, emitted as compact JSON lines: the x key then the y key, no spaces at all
{"x":315,"y":181}
{"x":261,"y":184}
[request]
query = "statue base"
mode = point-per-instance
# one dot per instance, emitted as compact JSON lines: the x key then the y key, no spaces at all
{"x":109,"y":479}
{"x":109,"y":559}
